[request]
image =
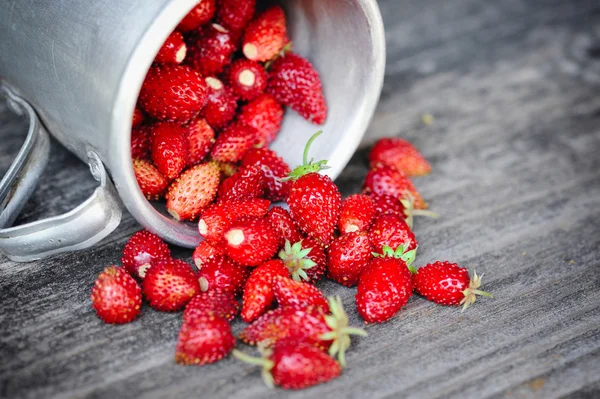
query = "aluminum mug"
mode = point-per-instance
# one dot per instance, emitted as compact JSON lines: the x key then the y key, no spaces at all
{"x":75,"y":68}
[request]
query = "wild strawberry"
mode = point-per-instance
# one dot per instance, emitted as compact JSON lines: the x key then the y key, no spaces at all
{"x":314,"y":200}
{"x":116,"y":296}
{"x":138,"y":117}
{"x":317,"y":255}
{"x":294,"y":82}
{"x":385,"y":203}
{"x":152,"y":183}
{"x":170,"y":284}
{"x":217,"y":218}
{"x":221,"y":273}
{"x":251,"y":241}
{"x":200,"y":15}
{"x":140,"y":142}
{"x":266,"y":35}
{"x":296,"y":259}
{"x":294,"y":365}
{"x":247,"y":183}
{"x":310,"y":325}
{"x":221,"y":106}
{"x":385,"y":286}
{"x":215,"y":302}
{"x":141,"y":251}
{"x":283,"y":223}
{"x":173,"y":51}
{"x":204,"y":340}
{"x":235,"y":14}
{"x":193,"y":191}
{"x":274,"y":169}
{"x":448,"y":284}
{"x":392,"y":231}
{"x":348,"y":256}
{"x":169,"y":148}
{"x":400,"y":154}
{"x":258,"y":291}
{"x":265,"y":115}
{"x":206,"y":252}
{"x":211,"y":50}
{"x":233,"y":143}
{"x":289,"y":292}
{"x":200,"y":138}
{"x":248,"y":79}
{"x":173,"y":93}
{"x":387,"y":180}
{"x":356,"y":214}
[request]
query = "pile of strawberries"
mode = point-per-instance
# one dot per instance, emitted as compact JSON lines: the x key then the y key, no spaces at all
{"x":271,"y":257}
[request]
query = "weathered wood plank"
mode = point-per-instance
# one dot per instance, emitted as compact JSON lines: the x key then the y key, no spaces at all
{"x":513,"y":87}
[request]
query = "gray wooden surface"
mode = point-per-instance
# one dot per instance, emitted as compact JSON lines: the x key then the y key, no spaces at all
{"x":515,"y":90}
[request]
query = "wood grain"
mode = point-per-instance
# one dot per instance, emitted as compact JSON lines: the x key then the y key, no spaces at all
{"x":514,"y":90}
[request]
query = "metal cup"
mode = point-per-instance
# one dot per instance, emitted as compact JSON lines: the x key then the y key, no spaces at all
{"x":75,"y":67}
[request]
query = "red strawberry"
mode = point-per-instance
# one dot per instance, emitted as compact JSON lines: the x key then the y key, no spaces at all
{"x":392,"y":231}
{"x":289,"y":292}
{"x":140,"y":142}
{"x":221,"y":273}
{"x":385,"y":285}
{"x":314,"y":200}
{"x":152,"y":183}
{"x":138,"y":117}
{"x":170,"y":284}
{"x":217,"y":218}
{"x":216,"y":302}
{"x":248,"y":79}
{"x":294,"y":82}
{"x":169,"y":148}
{"x":247,"y":183}
{"x":400,"y":154}
{"x":294,"y":365}
{"x":311,"y":325}
{"x":251,"y":241}
{"x":266,"y":35}
{"x":448,"y":284}
{"x":300,"y":265}
{"x":193,"y":191}
{"x":200,"y":15}
{"x":204,"y":340}
{"x":385,"y":203}
{"x":200,"y":138}
{"x":211,"y":50}
{"x":173,"y":51}
{"x":387,"y":180}
{"x":206,"y":252}
{"x":283,"y":223}
{"x":235,"y":14}
{"x":348,"y":256}
{"x":141,"y":251}
{"x":116,"y":296}
{"x":356,"y":214}
{"x":265,"y":115}
{"x":222,"y":104}
{"x":258,"y":291}
{"x":173,"y":93}
{"x":233,"y":143}
{"x":274,"y":169}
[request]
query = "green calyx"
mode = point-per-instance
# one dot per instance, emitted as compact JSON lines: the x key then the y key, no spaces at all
{"x":400,"y":253}
{"x":295,"y":259}
{"x":408,"y":202}
{"x":472,"y":292}
{"x":265,"y":362}
{"x":307,"y":166}
{"x":340,"y":332}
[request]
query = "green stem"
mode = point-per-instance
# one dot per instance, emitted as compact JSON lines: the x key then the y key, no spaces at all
{"x":482,"y":293}
{"x":257,"y":361}
{"x":310,"y":141}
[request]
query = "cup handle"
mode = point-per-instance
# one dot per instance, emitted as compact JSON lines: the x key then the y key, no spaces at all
{"x":80,"y":228}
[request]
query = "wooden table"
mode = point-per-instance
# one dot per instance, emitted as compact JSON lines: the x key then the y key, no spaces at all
{"x":514,"y":88}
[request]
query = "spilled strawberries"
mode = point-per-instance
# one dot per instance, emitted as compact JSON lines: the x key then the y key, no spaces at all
{"x":211,"y":104}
